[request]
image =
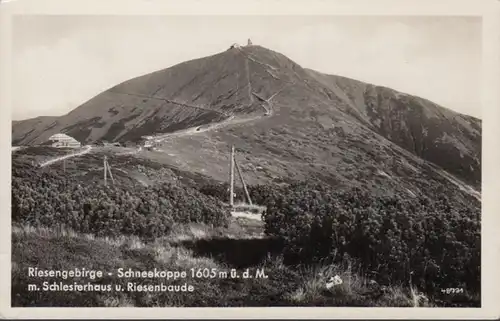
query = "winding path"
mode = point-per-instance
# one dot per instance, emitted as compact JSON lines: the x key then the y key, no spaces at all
{"x":136,"y":151}
{"x":14,"y":149}
{"x":194,"y":130}
{"x":170,"y":101}
{"x":247,"y":215}
{"x":229,"y":121}
{"x":87,"y":150}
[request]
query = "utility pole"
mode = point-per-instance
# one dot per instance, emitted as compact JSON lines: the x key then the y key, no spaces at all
{"x":243,"y":182}
{"x":231,"y":189}
{"x":105,"y":172}
{"x":107,"y":169}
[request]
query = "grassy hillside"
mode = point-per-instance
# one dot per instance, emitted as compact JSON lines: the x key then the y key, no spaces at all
{"x":316,"y":125}
{"x":431,"y":132}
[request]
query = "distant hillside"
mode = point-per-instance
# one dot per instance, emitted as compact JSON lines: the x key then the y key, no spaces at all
{"x":315,"y":126}
{"x":446,"y":138}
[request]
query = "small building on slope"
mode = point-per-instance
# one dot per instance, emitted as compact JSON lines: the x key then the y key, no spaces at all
{"x":63,"y":141}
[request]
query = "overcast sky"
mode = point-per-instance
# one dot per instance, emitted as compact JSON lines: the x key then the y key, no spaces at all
{"x":59,"y":62}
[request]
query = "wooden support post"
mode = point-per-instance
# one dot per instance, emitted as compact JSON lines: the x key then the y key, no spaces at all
{"x":243,"y":182}
{"x":109,"y":170}
{"x":231,"y":188}
{"x":105,"y":172}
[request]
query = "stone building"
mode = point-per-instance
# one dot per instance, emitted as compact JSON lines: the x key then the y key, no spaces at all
{"x":63,"y":141}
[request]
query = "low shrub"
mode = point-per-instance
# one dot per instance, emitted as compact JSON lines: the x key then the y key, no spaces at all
{"x":432,"y":244}
{"x":260,"y":194}
{"x":221,"y":191}
{"x":45,"y":199}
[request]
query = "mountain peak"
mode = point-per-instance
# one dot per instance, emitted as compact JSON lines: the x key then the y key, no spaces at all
{"x":265,"y":101}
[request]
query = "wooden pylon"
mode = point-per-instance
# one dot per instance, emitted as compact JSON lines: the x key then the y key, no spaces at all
{"x":231,"y":177}
{"x":109,"y":170}
{"x":105,"y":172}
{"x":243,"y":182}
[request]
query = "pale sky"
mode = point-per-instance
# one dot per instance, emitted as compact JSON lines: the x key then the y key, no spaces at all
{"x":59,"y":62}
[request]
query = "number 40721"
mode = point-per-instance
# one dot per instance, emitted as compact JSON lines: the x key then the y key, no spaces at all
{"x":452,"y":291}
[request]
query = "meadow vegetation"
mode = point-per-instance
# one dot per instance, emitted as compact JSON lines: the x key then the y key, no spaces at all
{"x":389,"y":251}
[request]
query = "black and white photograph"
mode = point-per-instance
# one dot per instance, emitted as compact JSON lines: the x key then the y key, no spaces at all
{"x":226,"y":161}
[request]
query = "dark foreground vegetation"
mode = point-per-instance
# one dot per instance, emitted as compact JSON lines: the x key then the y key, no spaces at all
{"x":45,"y":199}
{"x":431,"y":244}
{"x":313,"y":232}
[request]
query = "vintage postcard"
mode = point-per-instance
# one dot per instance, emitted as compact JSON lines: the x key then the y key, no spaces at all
{"x":284,"y":159}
